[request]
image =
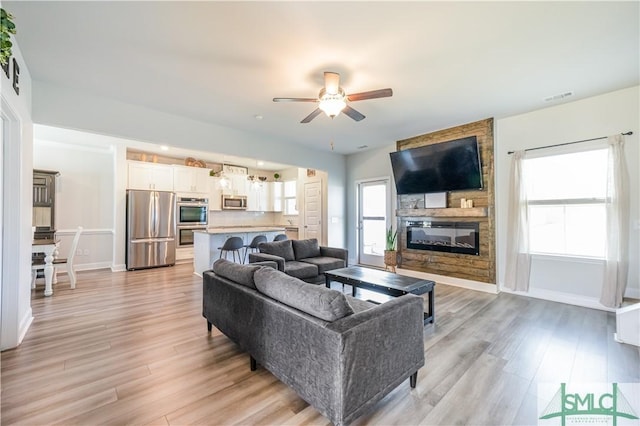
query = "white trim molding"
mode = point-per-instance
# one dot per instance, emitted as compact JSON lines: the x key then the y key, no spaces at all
{"x":560,"y":297}
{"x":118,"y":268}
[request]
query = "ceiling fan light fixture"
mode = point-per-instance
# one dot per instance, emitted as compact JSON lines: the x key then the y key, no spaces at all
{"x":332,"y":103}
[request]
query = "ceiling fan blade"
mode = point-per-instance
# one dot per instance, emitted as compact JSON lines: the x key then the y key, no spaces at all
{"x":311,"y":116}
{"x":295,"y":100}
{"x":331,"y":82}
{"x":352,"y":113}
{"x":381,"y":93}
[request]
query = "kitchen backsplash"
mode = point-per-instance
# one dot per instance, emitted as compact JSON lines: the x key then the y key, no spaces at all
{"x":240,"y":218}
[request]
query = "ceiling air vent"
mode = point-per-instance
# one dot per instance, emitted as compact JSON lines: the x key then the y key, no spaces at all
{"x":558,"y":96}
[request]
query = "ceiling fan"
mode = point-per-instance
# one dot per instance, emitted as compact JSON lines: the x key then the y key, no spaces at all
{"x":332,"y":99}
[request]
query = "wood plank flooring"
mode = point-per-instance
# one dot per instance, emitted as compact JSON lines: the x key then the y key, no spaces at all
{"x":133,"y":348}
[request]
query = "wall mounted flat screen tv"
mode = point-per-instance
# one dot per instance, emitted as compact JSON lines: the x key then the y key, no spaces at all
{"x":440,"y":167}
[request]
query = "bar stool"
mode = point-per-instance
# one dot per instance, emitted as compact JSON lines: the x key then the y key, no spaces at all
{"x":280,"y":237}
{"x":254,"y":245}
{"x":233,"y":245}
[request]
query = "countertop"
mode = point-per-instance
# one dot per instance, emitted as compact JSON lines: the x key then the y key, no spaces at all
{"x":241,"y":229}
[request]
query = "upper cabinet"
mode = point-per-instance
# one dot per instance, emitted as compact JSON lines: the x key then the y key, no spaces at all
{"x":164,"y":177}
{"x":265,"y":197}
{"x":150,"y":176}
{"x":239,"y":184}
{"x":215,"y":194}
{"x":275,"y":199}
{"x":190,"y":179}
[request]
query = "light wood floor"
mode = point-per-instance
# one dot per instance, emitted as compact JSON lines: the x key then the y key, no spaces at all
{"x":133,"y":348}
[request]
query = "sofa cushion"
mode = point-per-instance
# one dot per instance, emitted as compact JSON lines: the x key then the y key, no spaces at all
{"x":300,"y":269}
{"x":324,"y":263}
{"x":320,"y":302}
{"x":306,"y":248}
{"x":242,"y":274}
{"x":283,"y":249}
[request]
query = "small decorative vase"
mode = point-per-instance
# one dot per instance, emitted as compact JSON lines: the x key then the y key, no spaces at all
{"x":390,"y":260}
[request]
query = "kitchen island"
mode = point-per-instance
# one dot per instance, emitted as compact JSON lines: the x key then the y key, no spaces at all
{"x":206,"y":243}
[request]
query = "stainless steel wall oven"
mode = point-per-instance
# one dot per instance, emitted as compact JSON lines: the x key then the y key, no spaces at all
{"x":192,"y":211}
{"x":192,"y":214}
{"x":184,"y":235}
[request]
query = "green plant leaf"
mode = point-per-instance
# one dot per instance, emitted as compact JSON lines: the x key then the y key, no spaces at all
{"x":391,"y":238}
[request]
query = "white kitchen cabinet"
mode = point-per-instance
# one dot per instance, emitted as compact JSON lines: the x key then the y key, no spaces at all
{"x":257,"y":196}
{"x":190,"y":179}
{"x":150,"y":176}
{"x":275,"y":196}
{"x":265,"y":197}
{"x":215,"y":194}
{"x":239,"y":184}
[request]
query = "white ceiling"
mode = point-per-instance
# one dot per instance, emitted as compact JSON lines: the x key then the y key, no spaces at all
{"x":448,"y":63}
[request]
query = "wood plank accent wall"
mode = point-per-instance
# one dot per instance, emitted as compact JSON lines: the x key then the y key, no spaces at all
{"x":478,"y":268}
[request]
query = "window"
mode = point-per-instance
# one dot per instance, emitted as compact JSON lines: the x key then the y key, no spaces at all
{"x":566,"y":203}
{"x":290,"y":197}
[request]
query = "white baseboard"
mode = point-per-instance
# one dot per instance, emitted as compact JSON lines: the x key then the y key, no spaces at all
{"x":556,"y":296}
{"x":456,"y":282}
{"x":119,"y":268}
{"x":92,"y":266}
{"x":25,"y":324}
{"x":632,"y":293}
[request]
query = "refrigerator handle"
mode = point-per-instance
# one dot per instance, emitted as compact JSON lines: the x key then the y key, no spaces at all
{"x":156,"y":207}
{"x":152,"y":240}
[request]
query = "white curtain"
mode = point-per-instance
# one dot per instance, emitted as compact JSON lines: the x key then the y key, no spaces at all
{"x":617,"y":208}
{"x":518,"y":257}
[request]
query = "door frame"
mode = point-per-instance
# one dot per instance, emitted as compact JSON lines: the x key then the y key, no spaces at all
{"x":358,"y":227}
{"x":322,"y":210}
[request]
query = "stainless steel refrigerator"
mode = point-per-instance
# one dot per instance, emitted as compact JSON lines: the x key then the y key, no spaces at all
{"x":151,"y":229}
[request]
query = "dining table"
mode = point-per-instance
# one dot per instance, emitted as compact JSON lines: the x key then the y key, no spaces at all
{"x":50,"y":249}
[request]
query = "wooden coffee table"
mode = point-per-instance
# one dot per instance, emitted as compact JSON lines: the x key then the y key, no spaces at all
{"x":384,"y":282}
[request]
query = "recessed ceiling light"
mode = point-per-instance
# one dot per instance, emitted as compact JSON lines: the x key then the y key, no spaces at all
{"x":164,"y":148}
{"x":258,"y":117}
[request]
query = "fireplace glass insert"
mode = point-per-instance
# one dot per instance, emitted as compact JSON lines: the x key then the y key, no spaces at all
{"x":451,"y":237}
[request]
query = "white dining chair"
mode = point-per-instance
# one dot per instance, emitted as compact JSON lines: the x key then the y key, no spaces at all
{"x":68,"y":261}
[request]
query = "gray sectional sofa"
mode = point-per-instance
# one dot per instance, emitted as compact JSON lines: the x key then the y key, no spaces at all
{"x":340,"y":354}
{"x":304,"y":259}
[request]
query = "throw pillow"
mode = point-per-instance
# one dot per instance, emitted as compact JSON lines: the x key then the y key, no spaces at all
{"x":318,"y":301}
{"x":241,"y":274}
{"x":306,"y":248}
{"x":283,"y":249}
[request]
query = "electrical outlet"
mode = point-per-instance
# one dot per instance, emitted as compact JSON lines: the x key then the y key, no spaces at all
{"x":86,"y":252}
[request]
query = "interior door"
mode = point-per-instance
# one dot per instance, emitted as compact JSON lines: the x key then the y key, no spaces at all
{"x":313,"y":210}
{"x":373,"y":216}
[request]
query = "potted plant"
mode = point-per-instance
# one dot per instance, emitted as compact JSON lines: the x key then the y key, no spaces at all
{"x":390,"y":253}
{"x":7,"y":27}
{"x":276,"y":176}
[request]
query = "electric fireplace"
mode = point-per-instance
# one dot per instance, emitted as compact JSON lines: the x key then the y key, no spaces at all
{"x":451,"y":237}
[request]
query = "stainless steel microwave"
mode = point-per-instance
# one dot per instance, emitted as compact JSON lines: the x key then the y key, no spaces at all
{"x":234,"y":202}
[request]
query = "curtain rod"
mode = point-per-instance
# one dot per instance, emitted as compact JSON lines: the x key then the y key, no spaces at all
{"x":570,"y":143}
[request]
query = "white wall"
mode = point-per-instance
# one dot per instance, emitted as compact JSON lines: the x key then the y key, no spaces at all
{"x":84,"y":197}
{"x":572,"y":281}
{"x":17,"y":178}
